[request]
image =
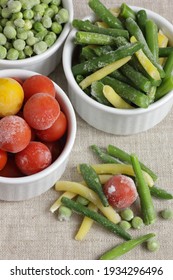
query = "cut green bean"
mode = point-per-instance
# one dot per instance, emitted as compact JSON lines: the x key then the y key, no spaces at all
{"x":80,"y":209}
{"x":97,"y":93}
{"x":164,"y":52}
{"x":125,"y":247}
{"x":104,"y":14}
{"x":151,"y":33}
{"x":89,"y":38}
{"x":125,"y":157}
{"x":126,"y":11}
{"x":105,"y":157}
{"x":93,"y":182}
{"x":165,"y":87}
{"x":87,"y":52}
{"x":160,"y":193}
{"x":135,"y":31}
{"x":147,"y":207}
{"x":137,"y":78}
{"x":141,"y":18}
{"x":168,"y":67}
{"x":101,"y":50}
{"x":94,"y":64}
{"x":128,"y":92}
{"x":88,"y":26}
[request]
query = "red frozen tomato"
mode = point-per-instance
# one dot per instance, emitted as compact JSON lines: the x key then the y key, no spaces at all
{"x":15,"y":134}
{"x":120,"y":191}
{"x":3,"y":159}
{"x":34,"y":158}
{"x":11,"y":170}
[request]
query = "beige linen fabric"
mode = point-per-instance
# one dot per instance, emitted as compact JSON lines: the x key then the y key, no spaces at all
{"x":29,"y":231}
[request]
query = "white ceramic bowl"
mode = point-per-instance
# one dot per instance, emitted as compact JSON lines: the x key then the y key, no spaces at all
{"x":22,"y":188}
{"x":46,"y":62}
{"x":112,"y":120}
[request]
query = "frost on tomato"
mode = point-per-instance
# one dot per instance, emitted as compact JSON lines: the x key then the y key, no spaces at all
{"x":15,"y":134}
{"x":41,"y":111}
{"x":120,"y":191}
{"x":34,"y":158}
{"x":36,"y":84}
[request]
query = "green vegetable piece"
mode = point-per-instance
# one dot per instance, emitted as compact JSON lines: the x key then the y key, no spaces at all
{"x":14,"y":6}
{"x":19,"y":44}
{"x":82,"y":200}
{"x":3,"y":52}
{"x":9,"y":32}
{"x":46,"y":21}
{"x":12,"y":54}
{"x":56,"y":27}
{"x":126,"y":11}
{"x":105,"y":157}
{"x":94,"y":64}
{"x":64,"y":213}
{"x":160,"y":193}
{"x":97,"y":93}
{"x":125,"y":225}
{"x":165,"y":87}
{"x":92,"y":180}
{"x":80,"y":209}
{"x":125,"y":247}
{"x":50,"y":39}
{"x":167,"y":214}
{"x":147,"y":207}
{"x":28,"y":14}
{"x":3,"y":39}
{"x":104,"y":14}
{"x":62,"y":16}
{"x":90,"y":38}
{"x":168,"y":67}
{"x":134,"y":30}
{"x":153,"y":245}
{"x":40,"y":47}
{"x":86,"y":25}
{"x":87,"y":52}
{"x":164,"y":52}
{"x":137,"y":222}
{"x":151,"y":33}
{"x":141,"y":18}
{"x":127,"y":214}
{"x":125,"y":157}
{"x":28,"y":51}
{"x":128,"y":92}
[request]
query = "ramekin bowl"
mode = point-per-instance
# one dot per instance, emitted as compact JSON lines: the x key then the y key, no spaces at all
{"x":22,"y":188}
{"x":112,"y":120}
{"x":46,"y":62}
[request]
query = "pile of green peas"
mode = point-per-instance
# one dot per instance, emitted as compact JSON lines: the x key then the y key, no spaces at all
{"x":29,"y":27}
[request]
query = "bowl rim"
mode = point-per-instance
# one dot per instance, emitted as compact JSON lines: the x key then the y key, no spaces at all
{"x":68,"y":50}
{"x":71,"y":135}
{"x":49,"y":51}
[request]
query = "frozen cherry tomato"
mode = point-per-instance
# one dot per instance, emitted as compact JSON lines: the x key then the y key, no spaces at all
{"x":56,"y":131}
{"x":15,"y":134}
{"x":41,"y":111}
{"x":3,"y":159}
{"x":120,"y":191}
{"x":34,"y":158}
{"x":11,"y":170}
{"x":19,"y":80}
{"x":55,"y":148}
{"x":36,"y":84}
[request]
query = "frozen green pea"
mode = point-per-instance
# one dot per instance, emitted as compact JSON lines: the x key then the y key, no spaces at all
{"x":9,"y":23}
{"x":17,"y":16}
{"x":30,"y":41}
{"x":3,"y":39}
{"x":28,"y":24}
{"x":44,"y":5}
{"x":167,"y":214}
{"x":64,"y":213}
{"x":82,"y":200}
{"x":54,"y":8}
{"x":125,"y":225}
{"x":19,"y":22}
{"x":153,"y":245}
{"x":5,"y":13}
{"x":40,"y":47}
{"x":50,"y":39}
{"x":3,"y":52}
{"x":3,"y":3}
{"x":56,"y":27}
{"x":8,"y":45}
{"x":137,"y":222}
{"x":1,"y":29}
{"x":3,"y":22}
{"x":12,"y":54}
{"x":62,"y":16}
{"x":14,"y":6}
{"x":21,"y":34}
{"x":39,"y":9}
{"x":38,"y":26}
{"x":41,"y":35}
{"x":46,"y":21}
{"x":49,"y":12}
{"x":9,"y":32}
{"x":46,"y":1}
{"x":21,"y":55}
{"x":28,"y":14}
{"x":127,"y":214}
{"x":19,"y":44}
{"x":56,"y":2}
{"x":28,"y":51}
{"x":29,"y":34}
{"x":29,"y":4}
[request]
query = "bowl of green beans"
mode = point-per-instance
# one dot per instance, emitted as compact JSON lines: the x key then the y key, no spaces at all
{"x":32,"y":33}
{"x":119,"y":65}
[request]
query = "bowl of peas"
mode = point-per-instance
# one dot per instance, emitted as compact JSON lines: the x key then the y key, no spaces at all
{"x":118,"y":63}
{"x":32,"y":33}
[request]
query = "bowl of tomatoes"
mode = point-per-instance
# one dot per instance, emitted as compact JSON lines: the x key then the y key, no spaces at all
{"x":37,"y":133}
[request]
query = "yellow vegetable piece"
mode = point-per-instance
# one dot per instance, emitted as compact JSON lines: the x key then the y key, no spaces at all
{"x":162,"y":42}
{"x":89,"y":194}
{"x":102,"y":24}
{"x":11,"y":97}
{"x":103,"y":72}
{"x":118,"y":168}
{"x":146,"y":63}
{"x":86,"y":224}
{"x":115,"y":11}
{"x":58,"y":203}
{"x":115,"y":99}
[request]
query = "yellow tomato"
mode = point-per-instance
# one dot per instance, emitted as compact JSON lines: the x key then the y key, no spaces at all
{"x":11,"y":97}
